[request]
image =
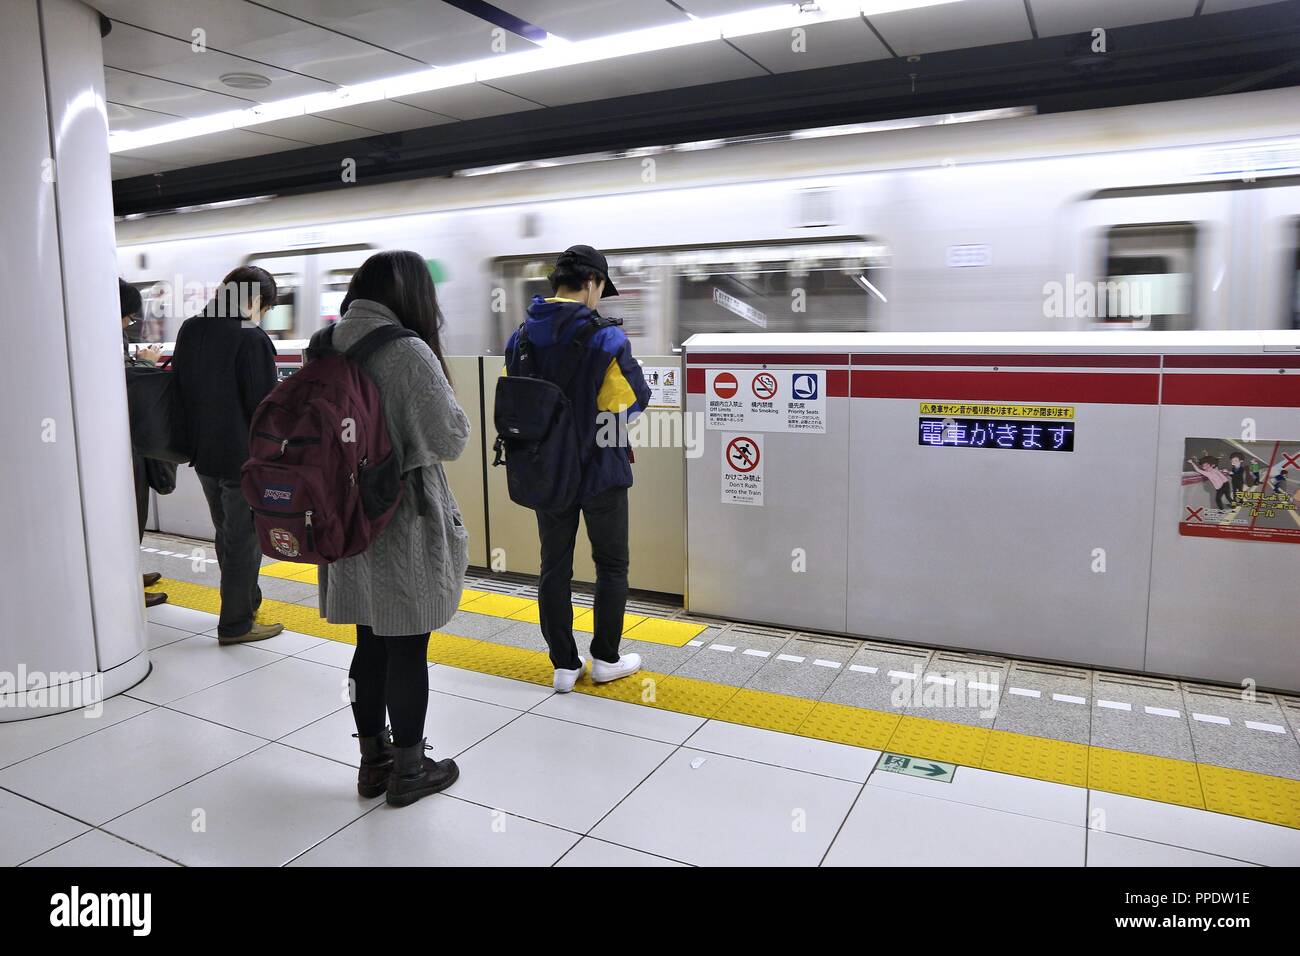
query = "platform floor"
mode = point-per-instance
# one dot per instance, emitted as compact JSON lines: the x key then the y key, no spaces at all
{"x":757,"y":746}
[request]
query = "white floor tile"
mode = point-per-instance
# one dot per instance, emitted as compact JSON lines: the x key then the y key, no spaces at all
{"x":891,"y":828}
{"x":97,"y":848}
{"x":554,"y":771}
{"x":20,"y":739}
{"x":97,"y":777}
{"x":785,"y":750}
{"x":441,"y":831}
{"x":620,"y":716}
{"x":1111,"y":849}
{"x":271,"y":701}
{"x":1214,"y":833}
{"x":598,"y":853}
{"x":160,"y":634}
{"x":331,"y":653}
{"x":712,"y":810}
{"x":997,"y":791}
{"x":185,"y":618}
{"x":451,"y":725}
{"x":190,"y":665}
{"x":261,"y":810}
{"x":516,"y":694}
{"x":28,"y":829}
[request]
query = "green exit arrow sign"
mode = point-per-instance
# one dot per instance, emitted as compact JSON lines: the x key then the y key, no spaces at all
{"x":917,"y":767}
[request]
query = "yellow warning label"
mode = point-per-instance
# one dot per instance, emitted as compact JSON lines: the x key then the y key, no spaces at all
{"x":979,"y":409}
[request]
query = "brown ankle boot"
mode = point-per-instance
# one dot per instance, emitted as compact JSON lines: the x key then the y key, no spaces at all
{"x":376,"y":764}
{"x":415,"y":775}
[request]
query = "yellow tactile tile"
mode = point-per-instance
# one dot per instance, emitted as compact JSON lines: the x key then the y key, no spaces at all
{"x":658,"y":631}
{"x":1251,"y":795}
{"x":1041,"y":758}
{"x":1142,"y":775}
{"x":685,"y":695}
{"x":469,"y":595}
{"x":937,"y":740}
{"x":288,"y":570}
{"x":516,"y":663}
{"x":497,"y":605}
{"x":855,"y":726}
{"x":642,"y":688}
{"x":586,"y":620}
{"x":755,"y":708}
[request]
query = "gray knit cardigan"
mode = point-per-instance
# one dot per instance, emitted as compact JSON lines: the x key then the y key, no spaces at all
{"x":409,"y":580}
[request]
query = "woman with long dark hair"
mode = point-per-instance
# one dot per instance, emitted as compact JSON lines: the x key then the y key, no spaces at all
{"x":408,"y":581}
{"x":225,"y":366}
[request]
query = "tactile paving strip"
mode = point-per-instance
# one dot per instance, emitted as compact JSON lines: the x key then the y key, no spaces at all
{"x":1236,"y":792}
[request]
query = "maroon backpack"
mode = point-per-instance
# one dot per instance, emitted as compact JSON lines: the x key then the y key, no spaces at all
{"x":322,"y":478}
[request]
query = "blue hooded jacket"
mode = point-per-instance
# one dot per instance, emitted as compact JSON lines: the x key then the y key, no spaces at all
{"x":608,"y":379}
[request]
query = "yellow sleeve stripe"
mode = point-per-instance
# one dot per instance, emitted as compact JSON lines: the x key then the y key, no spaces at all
{"x":615,"y":394}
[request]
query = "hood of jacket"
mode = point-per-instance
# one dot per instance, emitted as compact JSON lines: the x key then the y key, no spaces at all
{"x":554,"y":321}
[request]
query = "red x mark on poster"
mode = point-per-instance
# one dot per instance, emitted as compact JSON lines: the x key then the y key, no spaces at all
{"x":1292,"y":461}
{"x":1193,"y":514}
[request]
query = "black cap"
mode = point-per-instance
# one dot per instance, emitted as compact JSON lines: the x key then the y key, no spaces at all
{"x":592,"y":259}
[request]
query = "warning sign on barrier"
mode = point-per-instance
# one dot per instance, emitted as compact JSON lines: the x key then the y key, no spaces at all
{"x":766,"y":400}
{"x":742,"y":469}
{"x":1241,"y":490}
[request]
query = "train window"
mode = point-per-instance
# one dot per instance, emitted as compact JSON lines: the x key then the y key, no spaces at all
{"x":334,"y":287}
{"x":794,"y":287}
{"x":1149,"y":277}
{"x":154,"y":312}
{"x":279,"y":322}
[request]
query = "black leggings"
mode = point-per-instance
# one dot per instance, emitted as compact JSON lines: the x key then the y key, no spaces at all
{"x":390,"y":674}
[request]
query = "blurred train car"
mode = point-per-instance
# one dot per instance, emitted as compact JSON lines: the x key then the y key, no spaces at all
{"x":1002,"y":220}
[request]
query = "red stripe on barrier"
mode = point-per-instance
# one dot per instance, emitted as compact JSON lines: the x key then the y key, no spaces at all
{"x":1232,"y":361}
{"x":1276,"y":391}
{"x":1040,"y":361}
{"x":806,"y":359}
{"x":1082,"y":387}
{"x":837,"y":383}
{"x":695,"y":381}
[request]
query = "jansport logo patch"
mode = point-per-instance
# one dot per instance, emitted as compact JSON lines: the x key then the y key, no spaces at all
{"x":277,"y":494}
{"x":284,"y":542}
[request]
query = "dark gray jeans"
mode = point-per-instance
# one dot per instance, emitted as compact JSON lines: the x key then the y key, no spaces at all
{"x":239,"y":556}
{"x":606,"y":518}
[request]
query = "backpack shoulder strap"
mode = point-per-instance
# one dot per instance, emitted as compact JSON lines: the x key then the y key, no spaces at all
{"x":372,"y":342}
{"x":574,"y":353}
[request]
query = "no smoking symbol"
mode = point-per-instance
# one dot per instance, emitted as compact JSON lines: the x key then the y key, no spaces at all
{"x":764,"y":385}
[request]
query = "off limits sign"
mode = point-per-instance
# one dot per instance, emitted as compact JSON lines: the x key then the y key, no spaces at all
{"x":742,"y":469}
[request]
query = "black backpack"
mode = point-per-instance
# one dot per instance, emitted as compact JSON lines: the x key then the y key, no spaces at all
{"x":538,"y":438}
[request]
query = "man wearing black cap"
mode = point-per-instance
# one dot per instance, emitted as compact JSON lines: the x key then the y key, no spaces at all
{"x":607,"y":383}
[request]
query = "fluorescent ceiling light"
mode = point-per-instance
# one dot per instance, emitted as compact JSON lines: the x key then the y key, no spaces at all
{"x":553,"y":53}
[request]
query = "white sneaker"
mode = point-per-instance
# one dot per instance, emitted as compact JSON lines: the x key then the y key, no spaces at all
{"x":602,"y":673}
{"x":565,"y":679}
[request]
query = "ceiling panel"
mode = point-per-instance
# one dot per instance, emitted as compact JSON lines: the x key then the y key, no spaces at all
{"x":130,"y":48}
{"x":954,"y":26}
{"x":316,"y":130}
{"x":1057,"y":17}
{"x":386,"y":116}
{"x":124,"y":167}
{"x":1221,"y":6}
{"x":718,"y":8}
{"x":427,"y":30}
{"x":825,"y":44}
{"x":472,"y":101}
{"x":699,"y":63}
{"x":232,"y":144}
{"x":164,"y":96}
{"x":586,"y":19}
{"x":122,"y":117}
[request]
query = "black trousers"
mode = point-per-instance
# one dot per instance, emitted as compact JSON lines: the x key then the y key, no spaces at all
{"x":390,"y":674}
{"x":239,"y":556}
{"x":141,"y":492}
{"x":606,"y":519}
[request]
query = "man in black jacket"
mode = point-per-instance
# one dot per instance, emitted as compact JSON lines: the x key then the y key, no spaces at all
{"x":225,"y":365}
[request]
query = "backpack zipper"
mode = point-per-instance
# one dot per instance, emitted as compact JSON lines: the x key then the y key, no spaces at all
{"x":284,"y":443}
{"x":311,"y":535}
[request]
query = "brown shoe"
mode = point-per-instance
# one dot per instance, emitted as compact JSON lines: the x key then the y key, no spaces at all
{"x":154,"y":598}
{"x":258,"y":632}
{"x":152,"y":578}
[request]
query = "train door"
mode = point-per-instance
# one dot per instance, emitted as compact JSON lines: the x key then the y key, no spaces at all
{"x":1156,"y":258}
{"x":1278,"y":268}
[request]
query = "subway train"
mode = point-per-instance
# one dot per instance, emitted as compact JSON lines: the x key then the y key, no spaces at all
{"x":999,"y":220}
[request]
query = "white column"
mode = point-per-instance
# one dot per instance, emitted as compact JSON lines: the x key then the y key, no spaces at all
{"x":71,"y":609}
